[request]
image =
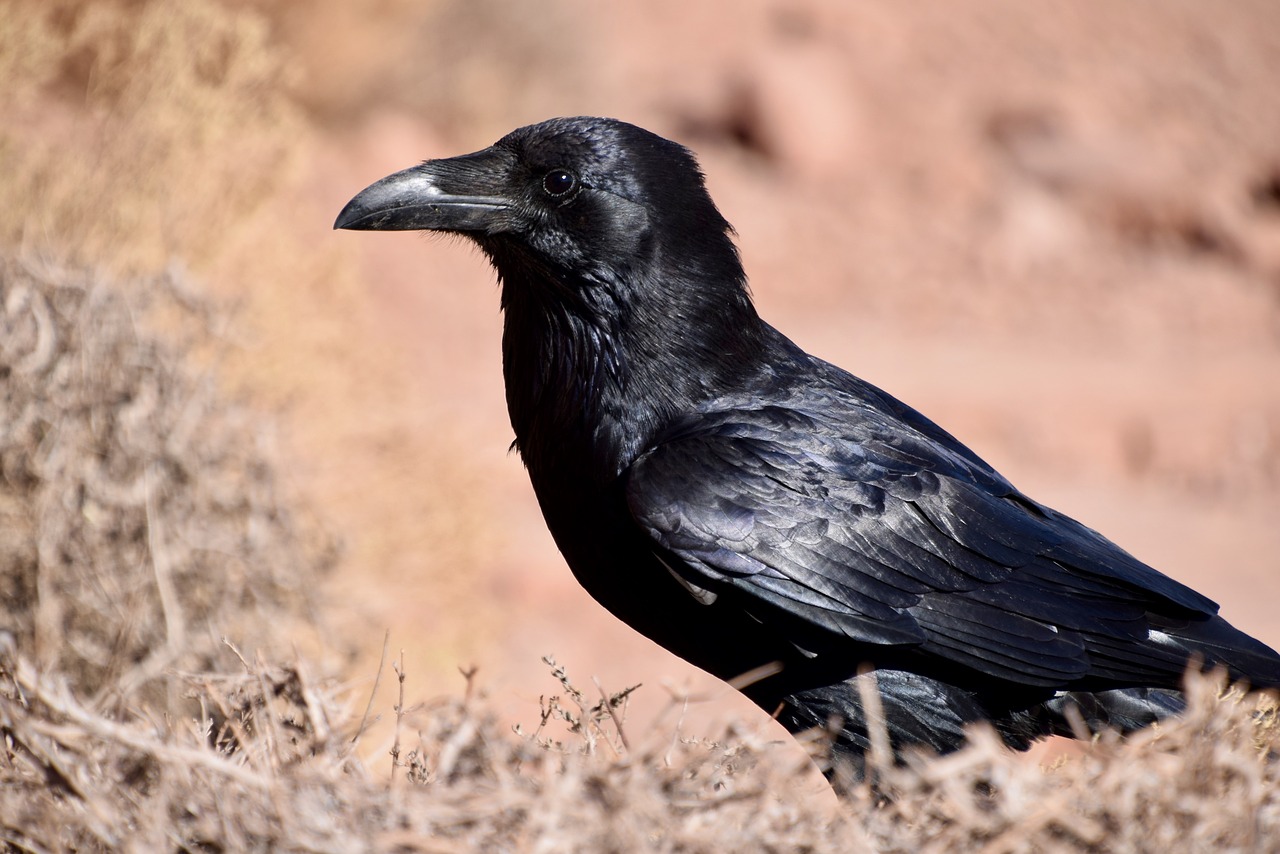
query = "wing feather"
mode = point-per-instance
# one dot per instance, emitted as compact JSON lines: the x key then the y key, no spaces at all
{"x":836,"y":524}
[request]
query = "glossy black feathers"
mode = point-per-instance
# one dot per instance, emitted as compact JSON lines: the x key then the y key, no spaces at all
{"x":747,"y":505}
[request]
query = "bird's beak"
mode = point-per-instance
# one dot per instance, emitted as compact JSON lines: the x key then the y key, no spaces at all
{"x":455,"y":194}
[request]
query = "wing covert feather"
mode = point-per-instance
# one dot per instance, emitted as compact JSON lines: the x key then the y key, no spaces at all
{"x":882,"y":539}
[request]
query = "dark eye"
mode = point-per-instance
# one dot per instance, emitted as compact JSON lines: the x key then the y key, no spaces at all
{"x":558,"y":182}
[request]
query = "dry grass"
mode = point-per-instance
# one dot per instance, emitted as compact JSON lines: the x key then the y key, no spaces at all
{"x":139,"y":507}
{"x":268,"y":765}
{"x":1209,"y":781}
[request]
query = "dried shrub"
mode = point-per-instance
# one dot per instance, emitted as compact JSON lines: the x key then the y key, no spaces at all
{"x":269,"y":765}
{"x":141,"y":512}
{"x":265,"y":769}
{"x":1207,"y":781}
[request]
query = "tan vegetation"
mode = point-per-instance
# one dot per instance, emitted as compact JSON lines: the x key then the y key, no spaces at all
{"x":140,"y":510}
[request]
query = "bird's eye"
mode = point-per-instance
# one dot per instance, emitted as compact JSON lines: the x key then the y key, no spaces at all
{"x":559,"y":182}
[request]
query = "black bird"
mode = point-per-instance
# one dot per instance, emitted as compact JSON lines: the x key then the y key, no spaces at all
{"x":755,"y":509}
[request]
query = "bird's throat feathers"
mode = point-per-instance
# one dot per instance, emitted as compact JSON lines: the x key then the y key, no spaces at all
{"x":597,"y":365}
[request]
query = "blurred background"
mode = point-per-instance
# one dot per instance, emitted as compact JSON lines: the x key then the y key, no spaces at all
{"x":1052,"y":227}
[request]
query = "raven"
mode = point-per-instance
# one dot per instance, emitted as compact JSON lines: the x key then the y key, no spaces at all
{"x":757,"y":510}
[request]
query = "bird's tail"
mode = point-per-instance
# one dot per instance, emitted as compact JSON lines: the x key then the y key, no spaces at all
{"x":1202,"y":644}
{"x":1123,"y":709}
{"x":1217,"y":643}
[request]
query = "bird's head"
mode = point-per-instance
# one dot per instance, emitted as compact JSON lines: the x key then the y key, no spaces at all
{"x":625,"y":299}
{"x":581,"y":201}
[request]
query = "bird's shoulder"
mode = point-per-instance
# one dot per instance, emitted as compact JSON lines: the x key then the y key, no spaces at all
{"x":814,"y":429}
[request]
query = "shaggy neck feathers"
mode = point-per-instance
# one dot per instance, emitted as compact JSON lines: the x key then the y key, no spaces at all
{"x":595,"y":368}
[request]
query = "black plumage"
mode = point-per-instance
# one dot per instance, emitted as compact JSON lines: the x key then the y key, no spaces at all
{"x":747,"y":505}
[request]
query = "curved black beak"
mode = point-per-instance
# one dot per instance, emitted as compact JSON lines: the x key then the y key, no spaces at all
{"x":465,"y":194}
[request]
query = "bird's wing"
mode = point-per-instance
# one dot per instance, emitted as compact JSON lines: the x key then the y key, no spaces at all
{"x":846,"y":526}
